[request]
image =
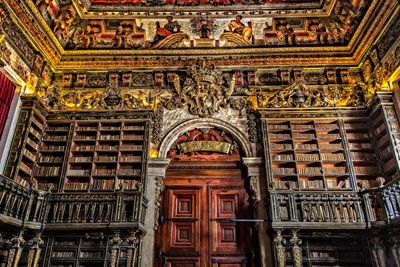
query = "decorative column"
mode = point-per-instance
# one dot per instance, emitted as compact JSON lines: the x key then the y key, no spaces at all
{"x":116,"y":241}
{"x":154,"y":187}
{"x":258,"y":192}
{"x":378,"y":252}
{"x":296,"y":249}
{"x":35,"y":250}
{"x":15,"y":252}
{"x":280,"y":250}
{"x":132,"y":252}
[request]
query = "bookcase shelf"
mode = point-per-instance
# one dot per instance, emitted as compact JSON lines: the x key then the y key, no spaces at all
{"x":310,"y":154}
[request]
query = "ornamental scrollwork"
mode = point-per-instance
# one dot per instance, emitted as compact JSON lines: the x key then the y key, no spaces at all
{"x":111,"y":98}
{"x":203,"y":91}
{"x":298,"y":95}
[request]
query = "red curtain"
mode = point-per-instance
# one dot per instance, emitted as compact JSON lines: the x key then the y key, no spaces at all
{"x":7,"y":89}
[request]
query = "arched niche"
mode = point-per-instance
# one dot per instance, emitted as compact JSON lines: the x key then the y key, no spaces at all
{"x":189,"y":125}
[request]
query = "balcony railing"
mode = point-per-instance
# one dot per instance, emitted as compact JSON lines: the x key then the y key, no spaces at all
{"x":22,"y":206}
{"x":96,"y":210}
{"x":314,"y":209}
{"x":30,"y":208}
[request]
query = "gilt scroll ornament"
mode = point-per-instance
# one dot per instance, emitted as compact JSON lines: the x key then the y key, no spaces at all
{"x":203,"y":91}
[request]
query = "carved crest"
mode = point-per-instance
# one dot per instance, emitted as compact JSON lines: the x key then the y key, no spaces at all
{"x":203,"y":91}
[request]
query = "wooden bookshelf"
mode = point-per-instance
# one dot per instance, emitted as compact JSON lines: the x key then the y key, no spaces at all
{"x":362,"y":151}
{"x":309,"y":155}
{"x":105,"y":155}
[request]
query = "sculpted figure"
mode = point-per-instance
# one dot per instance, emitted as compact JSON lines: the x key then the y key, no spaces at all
{"x":90,"y":37}
{"x":42,"y":4}
{"x":120,"y":38}
{"x":282,"y":30}
{"x":236,"y":26}
{"x":62,"y":22}
{"x":170,"y":28}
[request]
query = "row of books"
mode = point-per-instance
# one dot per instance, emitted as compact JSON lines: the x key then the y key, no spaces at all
{"x":55,"y":129}
{"x":35,"y":133}
{"x":333,"y":183}
{"x":313,"y":184}
{"x":52,"y":148}
{"x":55,"y":138}
{"x":128,"y":172}
{"x":129,"y":184}
{"x":32,"y":143}
{"x":279,"y":136}
{"x":333,"y":156}
{"x":367,"y":170}
{"x":29,"y":154}
{"x":91,"y":254}
{"x":63,"y":254}
{"x":362,"y":156}
{"x":81,"y":159}
{"x":50,"y":159}
{"x":360,"y":145}
{"x":303,"y":136}
{"x":82,"y":148}
{"x":326,"y":126}
{"x":86,"y":128}
{"x":335,"y":170}
{"x":108,"y":172}
{"x":305,"y":146}
{"x":85,"y":137}
{"x":283,"y":170}
{"x":109,"y":137}
{"x":36,"y":121}
{"x":305,"y":157}
{"x":99,"y":184}
{"x":132,"y":137}
{"x":303,"y":126}
{"x":330,"y":146}
{"x":329,"y":136}
{"x":309,"y":170}
{"x":106,"y":158}
{"x":46,"y":171}
{"x":133,"y":127}
{"x":76,"y":186}
{"x":108,"y":128}
{"x":78,"y":172}
{"x":131,"y":159}
{"x":282,"y":157}
{"x":358,"y":135}
{"x":21,"y":181}
{"x":278,"y":126}
{"x":25,"y":168}
{"x":281,"y":146}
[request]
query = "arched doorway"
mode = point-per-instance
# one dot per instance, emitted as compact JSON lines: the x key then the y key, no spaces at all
{"x":205,"y":212}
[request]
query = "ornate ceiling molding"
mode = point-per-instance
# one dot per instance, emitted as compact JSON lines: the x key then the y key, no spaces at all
{"x":41,"y":36}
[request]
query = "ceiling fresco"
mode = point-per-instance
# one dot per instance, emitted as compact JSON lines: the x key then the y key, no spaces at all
{"x":72,"y":34}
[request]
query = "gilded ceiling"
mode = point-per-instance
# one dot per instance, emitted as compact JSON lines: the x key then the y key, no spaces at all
{"x":98,"y":34}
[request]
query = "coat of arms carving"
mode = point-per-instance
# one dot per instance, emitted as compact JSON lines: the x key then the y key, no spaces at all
{"x":203,"y":91}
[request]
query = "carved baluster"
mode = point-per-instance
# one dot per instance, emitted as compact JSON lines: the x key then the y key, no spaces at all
{"x":280,"y":249}
{"x":63,"y":206}
{"x":71,"y":208}
{"x":85,"y":212}
{"x":388,"y":205}
{"x":394,"y":248}
{"x":77,"y":212}
{"x":292,"y":207}
{"x":116,"y":241}
{"x":318,"y":209}
{"x":359,"y":212}
{"x":34,"y":251}
{"x":326,"y":211}
{"x":6,"y":202}
{"x":108,"y":214}
{"x":397,"y":197}
{"x":349,"y":211}
{"x":274,"y":208}
{"x":101,"y":211}
{"x":393,"y":201}
{"x":55,"y":212}
{"x":92,"y":211}
{"x":14,"y":199}
{"x":296,"y":249}
{"x":14,"y":253}
{"x":341,"y":212}
{"x":18,"y":211}
{"x":37,"y":207}
{"x":312,"y":211}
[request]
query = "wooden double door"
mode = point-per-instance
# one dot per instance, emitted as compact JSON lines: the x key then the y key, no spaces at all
{"x":204,"y":222}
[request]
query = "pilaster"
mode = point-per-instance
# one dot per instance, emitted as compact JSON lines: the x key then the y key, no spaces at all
{"x":155,"y":176}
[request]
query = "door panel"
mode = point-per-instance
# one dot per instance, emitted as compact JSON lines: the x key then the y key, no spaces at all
{"x":199,"y":227}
